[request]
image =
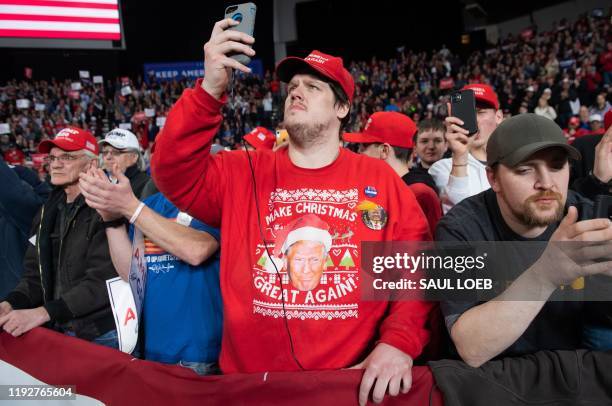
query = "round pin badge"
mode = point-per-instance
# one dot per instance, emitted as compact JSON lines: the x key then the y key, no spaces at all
{"x":375,"y":218}
{"x":370,"y":191}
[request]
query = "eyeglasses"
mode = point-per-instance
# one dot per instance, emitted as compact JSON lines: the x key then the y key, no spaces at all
{"x":65,"y":158}
{"x":113,"y":152}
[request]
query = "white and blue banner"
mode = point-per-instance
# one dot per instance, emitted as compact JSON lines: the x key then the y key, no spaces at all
{"x":186,"y":70}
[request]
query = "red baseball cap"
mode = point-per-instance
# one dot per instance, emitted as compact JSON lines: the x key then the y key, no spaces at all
{"x":608,"y":119}
{"x":574,"y":121}
{"x":14,"y":156}
{"x":484,"y":94}
{"x":395,"y":129}
{"x":71,"y":139}
{"x":329,"y":66}
{"x":261,"y":138}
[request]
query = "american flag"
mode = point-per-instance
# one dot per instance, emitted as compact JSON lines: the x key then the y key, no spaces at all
{"x":69,"y":19}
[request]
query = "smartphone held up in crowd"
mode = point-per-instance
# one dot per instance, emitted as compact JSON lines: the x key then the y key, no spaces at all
{"x":463,"y":106}
{"x":245,"y":14}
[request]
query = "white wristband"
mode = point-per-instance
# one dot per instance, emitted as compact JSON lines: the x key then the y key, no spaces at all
{"x":137,"y":213}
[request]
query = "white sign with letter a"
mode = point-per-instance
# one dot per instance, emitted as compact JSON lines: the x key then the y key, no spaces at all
{"x":138,"y":270}
{"x":124,"y":310}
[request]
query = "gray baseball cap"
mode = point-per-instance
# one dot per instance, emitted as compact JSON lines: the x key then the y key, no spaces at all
{"x":519,"y":137}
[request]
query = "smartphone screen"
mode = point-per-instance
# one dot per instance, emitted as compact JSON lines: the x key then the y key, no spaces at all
{"x":463,"y":106}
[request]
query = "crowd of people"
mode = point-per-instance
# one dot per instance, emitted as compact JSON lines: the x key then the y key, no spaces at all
{"x":99,"y":107}
{"x":288,"y":269}
{"x":561,"y":74}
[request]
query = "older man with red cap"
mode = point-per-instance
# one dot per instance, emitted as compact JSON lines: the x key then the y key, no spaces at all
{"x":68,"y":262}
{"x":269,"y":324}
{"x":464,"y":174}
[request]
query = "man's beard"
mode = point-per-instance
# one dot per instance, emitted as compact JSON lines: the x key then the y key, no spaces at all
{"x":306,"y":134}
{"x":530,"y":217}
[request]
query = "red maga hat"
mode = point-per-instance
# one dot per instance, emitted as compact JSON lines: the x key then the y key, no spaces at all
{"x":261,"y":138}
{"x":71,"y":139}
{"x":395,"y":129}
{"x":329,"y":66}
{"x":574,"y":121}
{"x":484,"y":94}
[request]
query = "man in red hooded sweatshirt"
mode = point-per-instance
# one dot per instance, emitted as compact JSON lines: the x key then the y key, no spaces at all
{"x":273,"y":319}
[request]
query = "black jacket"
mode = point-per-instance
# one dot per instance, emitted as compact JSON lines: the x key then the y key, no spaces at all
{"x":84,"y":264}
{"x":581,"y":179}
{"x":546,"y":378}
{"x":418,"y":174}
{"x":138,"y":179}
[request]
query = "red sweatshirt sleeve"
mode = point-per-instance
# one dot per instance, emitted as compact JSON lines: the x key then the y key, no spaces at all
{"x":182,"y":167}
{"x":405,"y":325}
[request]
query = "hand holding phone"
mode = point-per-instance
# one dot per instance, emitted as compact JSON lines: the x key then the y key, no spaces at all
{"x":463,"y":106}
{"x":217,"y":63}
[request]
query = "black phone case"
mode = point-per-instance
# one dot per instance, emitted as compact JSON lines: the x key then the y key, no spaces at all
{"x":463,"y":106}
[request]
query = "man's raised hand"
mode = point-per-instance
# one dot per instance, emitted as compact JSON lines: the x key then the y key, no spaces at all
{"x":217,"y":65}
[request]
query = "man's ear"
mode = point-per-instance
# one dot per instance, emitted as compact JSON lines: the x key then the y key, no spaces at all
{"x":342,"y":110}
{"x":492,"y":179}
{"x":385,"y":151}
{"x":499,"y":116}
{"x":136,"y":157}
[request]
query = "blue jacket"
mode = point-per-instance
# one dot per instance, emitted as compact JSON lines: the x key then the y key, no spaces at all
{"x":21,"y":195}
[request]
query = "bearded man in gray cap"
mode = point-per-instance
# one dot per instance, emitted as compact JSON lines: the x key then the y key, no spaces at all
{"x":529,"y":200}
